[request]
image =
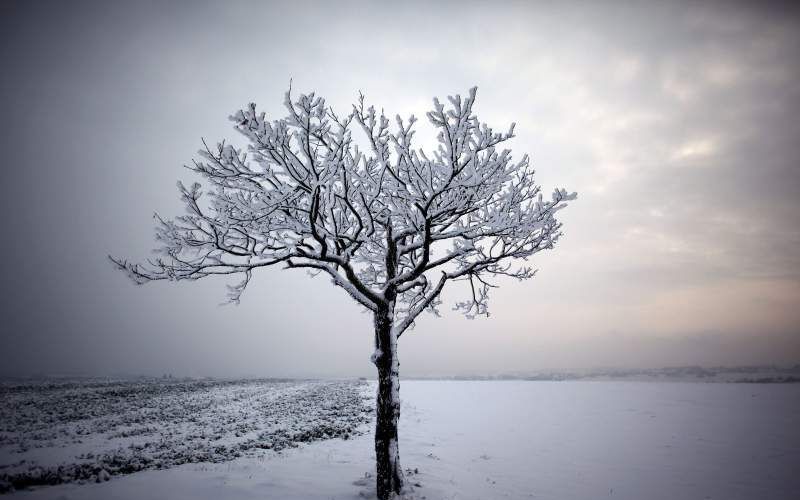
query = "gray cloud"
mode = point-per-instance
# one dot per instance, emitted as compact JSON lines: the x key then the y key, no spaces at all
{"x":675,"y":122}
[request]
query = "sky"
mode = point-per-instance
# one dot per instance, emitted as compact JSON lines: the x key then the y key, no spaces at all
{"x":675,"y":122}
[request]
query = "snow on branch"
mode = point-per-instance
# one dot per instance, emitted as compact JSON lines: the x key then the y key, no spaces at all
{"x":391,"y":224}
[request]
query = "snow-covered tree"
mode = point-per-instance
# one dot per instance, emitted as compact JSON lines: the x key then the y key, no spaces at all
{"x":389,"y":223}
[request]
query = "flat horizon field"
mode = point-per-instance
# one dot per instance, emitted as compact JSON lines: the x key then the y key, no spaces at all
{"x":478,"y":440}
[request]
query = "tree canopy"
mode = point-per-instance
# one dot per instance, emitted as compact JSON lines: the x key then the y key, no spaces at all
{"x":386,"y":221}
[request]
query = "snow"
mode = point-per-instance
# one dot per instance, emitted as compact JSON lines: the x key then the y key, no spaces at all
{"x":524,"y":439}
{"x":53,"y":433}
{"x":301,"y":194}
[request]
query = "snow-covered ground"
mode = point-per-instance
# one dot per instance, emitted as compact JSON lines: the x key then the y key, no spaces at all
{"x":89,"y":431}
{"x":522,"y":439}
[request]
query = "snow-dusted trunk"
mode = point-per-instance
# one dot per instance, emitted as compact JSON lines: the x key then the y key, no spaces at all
{"x":387,"y":454}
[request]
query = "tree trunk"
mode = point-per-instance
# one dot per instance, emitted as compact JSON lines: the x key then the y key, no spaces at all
{"x":387,"y":455}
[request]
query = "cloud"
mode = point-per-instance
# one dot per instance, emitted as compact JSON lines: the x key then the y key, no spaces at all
{"x":676,"y":123}
{"x":694,"y":150}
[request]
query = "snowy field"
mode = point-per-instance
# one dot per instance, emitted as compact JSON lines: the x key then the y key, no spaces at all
{"x":90,"y":431}
{"x":465,"y":440}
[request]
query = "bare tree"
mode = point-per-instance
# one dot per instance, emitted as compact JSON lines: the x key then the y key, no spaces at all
{"x":390,"y":224}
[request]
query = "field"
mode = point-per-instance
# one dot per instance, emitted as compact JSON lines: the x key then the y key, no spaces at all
{"x":459,"y":440}
{"x":89,"y":431}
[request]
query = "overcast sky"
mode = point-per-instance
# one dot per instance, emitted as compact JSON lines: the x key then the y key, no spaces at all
{"x":676,"y":123}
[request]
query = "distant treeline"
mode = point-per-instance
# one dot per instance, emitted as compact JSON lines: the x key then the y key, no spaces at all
{"x":735,"y":374}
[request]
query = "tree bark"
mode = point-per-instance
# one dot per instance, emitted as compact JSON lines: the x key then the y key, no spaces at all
{"x":387,"y":454}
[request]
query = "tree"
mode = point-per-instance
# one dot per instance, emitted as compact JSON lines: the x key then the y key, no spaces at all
{"x":390,"y":224}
